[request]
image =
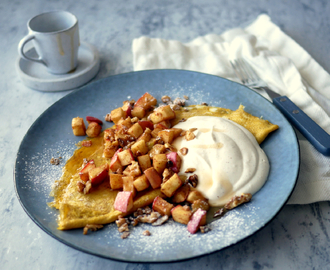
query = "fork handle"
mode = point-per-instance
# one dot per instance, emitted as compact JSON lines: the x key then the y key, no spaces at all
{"x":301,"y":121}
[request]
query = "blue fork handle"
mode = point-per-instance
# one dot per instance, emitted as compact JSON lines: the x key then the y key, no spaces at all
{"x":311,"y":131}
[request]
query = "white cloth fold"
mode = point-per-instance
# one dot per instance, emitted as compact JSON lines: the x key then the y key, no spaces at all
{"x":280,"y":61}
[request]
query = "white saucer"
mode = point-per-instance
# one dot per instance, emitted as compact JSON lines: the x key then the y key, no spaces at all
{"x":35,"y":75}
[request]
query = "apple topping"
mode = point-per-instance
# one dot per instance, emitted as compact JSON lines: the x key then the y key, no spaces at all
{"x":78,"y":126}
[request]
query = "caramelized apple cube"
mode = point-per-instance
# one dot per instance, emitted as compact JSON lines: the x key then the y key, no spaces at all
{"x":116,"y":181}
{"x":117,"y":114}
{"x":175,"y":160}
{"x":157,"y":149}
{"x":163,"y":124}
{"x":200,"y":204}
{"x":128,"y":185}
{"x":146,"y":124}
{"x":138,"y":112}
{"x":181,"y":194}
{"x":98,"y":174}
{"x":166,"y":135}
{"x":146,"y":136}
{"x":125,"y":157}
{"x":146,"y":101}
{"x":161,"y":114}
{"x":154,"y":178}
{"x":161,"y":206}
{"x":159,"y":162}
{"x":115,"y":163}
{"x":181,"y":214}
{"x":141,"y":183}
{"x":123,"y":201}
{"x":195,"y":195}
{"x":93,"y":130}
{"x":135,"y":131}
{"x":155,"y":132}
{"x":124,"y":124}
{"x":171,"y":185}
{"x":90,"y":119}
{"x":78,"y":126}
{"x":198,"y":219}
{"x":127,"y":108}
{"x":83,"y":174}
{"x":144,"y":162}
{"x":139,"y":148}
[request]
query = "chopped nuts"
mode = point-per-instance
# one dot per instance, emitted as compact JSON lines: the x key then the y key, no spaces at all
{"x":55,"y":161}
{"x":193,"y":180}
{"x":184,"y":151}
{"x":146,"y":233}
{"x":190,"y":170}
{"x":124,"y":235}
{"x":108,"y":117}
{"x":166,"y":99}
{"x":92,"y":227}
{"x":238,"y":200}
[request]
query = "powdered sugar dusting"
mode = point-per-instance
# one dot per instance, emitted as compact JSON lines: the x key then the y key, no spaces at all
{"x":39,"y":173}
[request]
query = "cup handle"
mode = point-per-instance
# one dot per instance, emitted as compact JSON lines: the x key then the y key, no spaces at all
{"x":21,"y":45}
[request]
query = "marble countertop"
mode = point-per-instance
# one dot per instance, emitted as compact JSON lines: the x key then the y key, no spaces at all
{"x":297,"y":238}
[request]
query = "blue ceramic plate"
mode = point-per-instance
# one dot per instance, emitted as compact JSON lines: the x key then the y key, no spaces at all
{"x":51,"y":136}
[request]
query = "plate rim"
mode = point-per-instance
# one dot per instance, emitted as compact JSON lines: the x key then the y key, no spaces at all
{"x":45,"y":229}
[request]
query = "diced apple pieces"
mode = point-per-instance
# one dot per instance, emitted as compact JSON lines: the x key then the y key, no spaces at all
{"x":146,"y":101}
{"x":83,"y":174}
{"x":154,"y":178}
{"x":200,"y":204}
{"x":181,"y":214}
{"x":157,"y":149}
{"x":128,"y":185}
{"x":139,"y":148}
{"x":146,"y":135}
{"x":117,"y":114}
{"x":159,"y":162}
{"x":146,"y":124}
{"x":78,"y":126}
{"x":124,"y":201}
{"x":93,"y":119}
{"x":116,"y":181}
{"x":138,"y":112}
{"x":141,"y":183}
{"x":98,"y":174}
{"x":162,"y":207}
{"x":127,"y":108}
{"x":176,"y":161}
{"x":93,"y":130}
{"x":115,"y":163}
{"x":198,"y":219}
{"x":135,"y":131}
{"x":171,"y":185}
{"x":181,"y":194}
{"x":124,"y":124}
{"x":195,"y":195}
{"x":144,"y":162}
{"x":126,"y":157}
{"x":162,"y":114}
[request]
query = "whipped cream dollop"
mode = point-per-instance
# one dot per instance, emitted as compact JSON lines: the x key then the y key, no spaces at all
{"x":227,"y":158}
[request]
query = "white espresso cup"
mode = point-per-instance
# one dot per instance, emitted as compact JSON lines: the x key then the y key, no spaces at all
{"x":55,"y":36}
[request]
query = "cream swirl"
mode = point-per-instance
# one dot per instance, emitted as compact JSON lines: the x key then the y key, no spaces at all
{"x":227,"y":158}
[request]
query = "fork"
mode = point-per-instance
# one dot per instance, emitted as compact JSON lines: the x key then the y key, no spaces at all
{"x":312,"y":131}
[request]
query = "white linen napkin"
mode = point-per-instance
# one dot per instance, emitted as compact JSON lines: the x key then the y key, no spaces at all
{"x":280,"y":61}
